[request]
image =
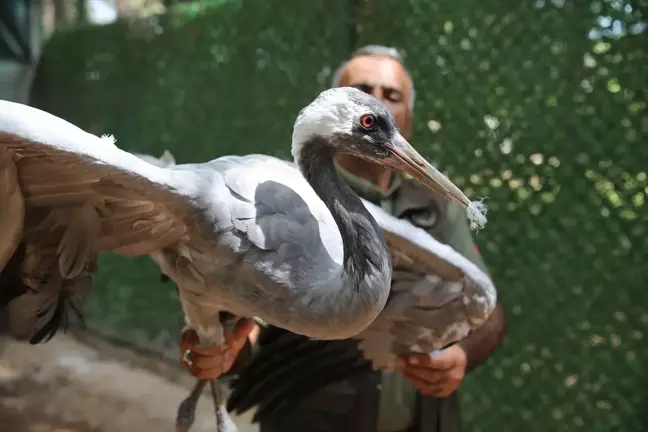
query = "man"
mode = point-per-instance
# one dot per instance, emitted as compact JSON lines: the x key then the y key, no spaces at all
{"x":381,"y":72}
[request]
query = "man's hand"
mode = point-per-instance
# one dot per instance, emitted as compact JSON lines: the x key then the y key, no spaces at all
{"x":437,"y":374}
{"x":212,"y":362}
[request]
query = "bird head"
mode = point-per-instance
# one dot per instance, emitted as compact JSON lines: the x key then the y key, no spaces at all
{"x":348,"y":120}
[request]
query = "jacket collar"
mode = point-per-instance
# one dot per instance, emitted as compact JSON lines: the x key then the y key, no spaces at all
{"x":367,"y":189}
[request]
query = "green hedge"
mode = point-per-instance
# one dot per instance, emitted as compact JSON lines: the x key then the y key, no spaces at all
{"x":530,"y":107}
{"x":565,"y":176}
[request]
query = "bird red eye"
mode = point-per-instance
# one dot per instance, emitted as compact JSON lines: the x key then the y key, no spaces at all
{"x":367,"y":121}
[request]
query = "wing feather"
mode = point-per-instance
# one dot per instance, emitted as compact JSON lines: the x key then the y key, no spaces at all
{"x":13,"y":209}
{"x":67,"y":195}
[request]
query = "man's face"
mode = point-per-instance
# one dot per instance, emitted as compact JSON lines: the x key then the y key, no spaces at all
{"x":385,"y":79}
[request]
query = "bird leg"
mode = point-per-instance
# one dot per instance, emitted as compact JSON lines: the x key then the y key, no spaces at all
{"x":224,"y":422}
{"x":187,"y":409}
{"x":204,"y":362}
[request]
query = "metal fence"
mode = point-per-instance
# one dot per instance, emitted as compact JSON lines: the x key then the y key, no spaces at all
{"x":538,"y":105}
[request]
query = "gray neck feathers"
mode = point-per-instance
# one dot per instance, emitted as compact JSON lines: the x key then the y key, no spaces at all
{"x":365,"y":251}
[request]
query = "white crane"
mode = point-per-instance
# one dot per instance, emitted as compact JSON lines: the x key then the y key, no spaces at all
{"x":437,"y":298}
{"x":252,"y":235}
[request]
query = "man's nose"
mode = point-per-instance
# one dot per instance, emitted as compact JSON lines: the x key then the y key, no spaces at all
{"x":379,"y":94}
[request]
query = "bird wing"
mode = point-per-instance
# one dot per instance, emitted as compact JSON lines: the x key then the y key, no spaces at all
{"x":437,"y":297}
{"x":274,"y":206}
{"x":65,"y":196}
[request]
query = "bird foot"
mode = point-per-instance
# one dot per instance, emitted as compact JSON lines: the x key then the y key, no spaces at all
{"x":225,"y":422}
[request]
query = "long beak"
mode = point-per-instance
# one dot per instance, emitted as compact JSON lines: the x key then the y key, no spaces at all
{"x":405,"y":158}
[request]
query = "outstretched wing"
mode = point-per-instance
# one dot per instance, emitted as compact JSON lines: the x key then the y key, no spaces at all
{"x":65,"y":196}
{"x":437,"y":298}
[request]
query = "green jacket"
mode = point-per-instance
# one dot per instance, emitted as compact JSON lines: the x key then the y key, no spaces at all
{"x":446,"y":222}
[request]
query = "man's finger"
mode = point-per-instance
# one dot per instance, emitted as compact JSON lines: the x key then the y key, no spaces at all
{"x":418,"y":360}
{"x":429,"y":389}
{"x":190,"y":341}
{"x":424,"y":377}
{"x":239,"y":336}
{"x":440,"y":361}
{"x":430,"y":376}
{"x":435,"y":391}
{"x":241,"y":331}
{"x":205,"y":362}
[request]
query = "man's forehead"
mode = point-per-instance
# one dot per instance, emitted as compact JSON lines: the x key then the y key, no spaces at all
{"x":376,"y":71}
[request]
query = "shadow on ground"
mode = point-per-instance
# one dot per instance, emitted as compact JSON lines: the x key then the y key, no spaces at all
{"x":21,"y":409}
{"x":73,"y":384}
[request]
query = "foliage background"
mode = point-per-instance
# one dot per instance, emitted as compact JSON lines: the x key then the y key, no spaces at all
{"x":539,"y":106}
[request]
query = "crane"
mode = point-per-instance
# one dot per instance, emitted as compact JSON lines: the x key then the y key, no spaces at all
{"x":254,"y":236}
{"x":437,"y":297}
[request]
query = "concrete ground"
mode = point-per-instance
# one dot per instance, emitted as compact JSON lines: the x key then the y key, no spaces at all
{"x":74,"y":384}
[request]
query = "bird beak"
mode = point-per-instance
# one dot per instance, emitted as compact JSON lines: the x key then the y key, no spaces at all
{"x":404,"y":158}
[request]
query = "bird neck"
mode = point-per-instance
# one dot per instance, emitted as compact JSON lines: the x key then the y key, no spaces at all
{"x":365,"y":251}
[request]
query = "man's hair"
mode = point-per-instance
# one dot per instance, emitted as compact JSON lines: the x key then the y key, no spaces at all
{"x":377,"y":51}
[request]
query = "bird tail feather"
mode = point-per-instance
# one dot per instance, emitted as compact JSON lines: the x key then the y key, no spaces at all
{"x":290,"y":367}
